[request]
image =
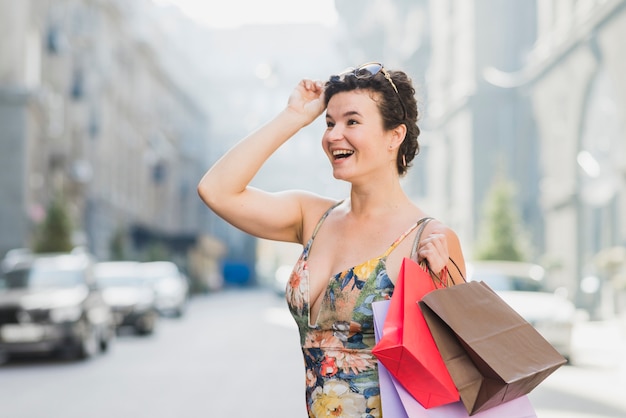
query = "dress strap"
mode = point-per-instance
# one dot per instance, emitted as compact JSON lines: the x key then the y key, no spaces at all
{"x":393,"y":246}
{"x":323,"y":218}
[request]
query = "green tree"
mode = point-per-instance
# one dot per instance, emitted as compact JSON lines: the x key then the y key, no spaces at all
{"x":117,"y":245}
{"x":501,"y":236}
{"x":156,"y":251}
{"x":55,"y":234}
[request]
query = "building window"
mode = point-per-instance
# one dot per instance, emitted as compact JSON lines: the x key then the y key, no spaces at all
{"x":77,"y":90}
{"x":53,"y":40}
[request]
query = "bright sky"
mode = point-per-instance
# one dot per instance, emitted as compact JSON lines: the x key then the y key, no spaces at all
{"x":234,"y":13}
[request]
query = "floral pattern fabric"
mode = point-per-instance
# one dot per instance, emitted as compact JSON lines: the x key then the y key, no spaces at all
{"x":341,"y":371}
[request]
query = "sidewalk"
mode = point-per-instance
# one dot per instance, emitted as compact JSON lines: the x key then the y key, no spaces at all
{"x":597,"y":372}
{"x":600,"y":343}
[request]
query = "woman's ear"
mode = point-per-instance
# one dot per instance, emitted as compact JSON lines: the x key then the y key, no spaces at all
{"x":397,"y":135}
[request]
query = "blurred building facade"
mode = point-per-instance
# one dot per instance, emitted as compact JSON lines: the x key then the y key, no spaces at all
{"x":91,"y":113}
{"x":100,"y":101}
{"x":574,"y":75}
{"x":531,"y":91}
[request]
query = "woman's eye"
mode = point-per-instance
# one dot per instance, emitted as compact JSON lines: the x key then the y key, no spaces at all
{"x":352,"y":122}
{"x":329,"y":124}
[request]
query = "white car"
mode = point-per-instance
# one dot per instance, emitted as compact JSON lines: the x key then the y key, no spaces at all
{"x":131,"y":298}
{"x":522,"y":286}
{"x":171,"y":286}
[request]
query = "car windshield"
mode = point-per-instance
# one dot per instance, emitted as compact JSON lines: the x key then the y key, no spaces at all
{"x":159,"y":271}
{"x":16,"y":279}
{"x":114,"y":280}
{"x":502,"y":282}
{"x":41,"y":278}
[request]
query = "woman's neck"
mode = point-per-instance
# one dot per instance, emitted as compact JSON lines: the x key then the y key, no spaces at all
{"x":377,"y":199}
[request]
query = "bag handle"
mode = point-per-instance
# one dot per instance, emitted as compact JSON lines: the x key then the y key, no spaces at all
{"x":439,"y":281}
{"x":418,"y":236}
{"x":458,"y":269}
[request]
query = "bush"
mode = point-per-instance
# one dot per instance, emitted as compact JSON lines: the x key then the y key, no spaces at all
{"x":55,"y":234}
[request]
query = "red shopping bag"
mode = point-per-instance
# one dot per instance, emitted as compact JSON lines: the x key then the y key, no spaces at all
{"x":407,"y":349}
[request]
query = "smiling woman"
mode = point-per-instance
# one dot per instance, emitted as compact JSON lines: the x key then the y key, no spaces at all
{"x":236,"y":13}
{"x":352,"y":249}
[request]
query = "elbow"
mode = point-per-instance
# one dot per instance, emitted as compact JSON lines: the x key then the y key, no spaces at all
{"x":206,"y":194}
{"x":218,"y":194}
{"x":214,"y":195}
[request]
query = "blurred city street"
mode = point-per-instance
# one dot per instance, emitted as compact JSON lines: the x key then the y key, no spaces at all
{"x":111,"y":113}
{"x":236,"y":354}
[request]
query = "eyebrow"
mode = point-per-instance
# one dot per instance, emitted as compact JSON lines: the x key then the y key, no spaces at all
{"x":346,"y":114}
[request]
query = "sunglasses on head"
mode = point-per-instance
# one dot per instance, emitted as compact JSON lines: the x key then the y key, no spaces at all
{"x":367,"y":71}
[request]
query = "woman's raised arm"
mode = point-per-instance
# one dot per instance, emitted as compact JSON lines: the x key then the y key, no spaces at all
{"x":225,"y":186}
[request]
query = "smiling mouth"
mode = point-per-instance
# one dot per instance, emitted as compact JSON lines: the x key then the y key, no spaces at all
{"x":342,"y":153}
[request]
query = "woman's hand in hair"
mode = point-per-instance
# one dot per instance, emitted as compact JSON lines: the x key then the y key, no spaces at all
{"x":307,"y":100}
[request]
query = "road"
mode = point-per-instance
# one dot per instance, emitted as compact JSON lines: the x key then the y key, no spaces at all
{"x":236,"y":355}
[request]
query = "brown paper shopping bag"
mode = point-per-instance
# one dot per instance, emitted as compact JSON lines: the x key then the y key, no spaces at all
{"x":491,"y":352}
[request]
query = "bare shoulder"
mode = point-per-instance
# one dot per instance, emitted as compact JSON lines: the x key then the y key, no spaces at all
{"x":436,"y":226}
{"x":313,"y":207}
{"x":313,"y":204}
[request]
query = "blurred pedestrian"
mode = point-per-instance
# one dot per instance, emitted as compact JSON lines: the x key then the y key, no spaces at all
{"x":347,"y":260}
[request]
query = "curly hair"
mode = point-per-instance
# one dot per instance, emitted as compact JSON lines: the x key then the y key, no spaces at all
{"x":393,"y":111}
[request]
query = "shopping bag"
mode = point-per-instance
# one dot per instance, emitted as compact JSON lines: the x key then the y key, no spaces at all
{"x":398,"y":403}
{"x":407,"y":349}
{"x":492,"y":353}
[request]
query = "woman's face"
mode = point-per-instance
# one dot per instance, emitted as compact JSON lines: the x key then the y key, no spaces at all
{"x":355,"y":141}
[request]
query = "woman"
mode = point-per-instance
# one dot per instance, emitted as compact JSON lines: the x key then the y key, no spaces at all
{"x":370,"y":141}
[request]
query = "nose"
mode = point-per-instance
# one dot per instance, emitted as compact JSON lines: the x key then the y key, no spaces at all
{"x":334,"y":133}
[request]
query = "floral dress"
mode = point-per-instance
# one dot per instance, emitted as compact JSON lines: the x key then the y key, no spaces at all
{"x":341,"y":371}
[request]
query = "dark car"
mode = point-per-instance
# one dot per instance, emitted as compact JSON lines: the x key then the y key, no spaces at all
{"x":49,"y":303}
{"x":129,"y":295}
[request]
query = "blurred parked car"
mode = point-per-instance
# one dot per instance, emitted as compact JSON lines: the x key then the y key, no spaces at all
{"x":523,"y":287}
{"x":50,"y":303}
{"x":131,"y":298}
{"x":170,"y":285}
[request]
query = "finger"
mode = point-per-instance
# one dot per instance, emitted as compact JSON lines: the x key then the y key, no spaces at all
{"x":432,"y":253}
{"x":434,"y":250}
{"x":312,"y":85}
{"x":317,"y":86}
{"x":438,"y":240}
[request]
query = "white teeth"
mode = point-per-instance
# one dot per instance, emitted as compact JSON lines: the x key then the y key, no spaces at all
{"x":342,"y":152}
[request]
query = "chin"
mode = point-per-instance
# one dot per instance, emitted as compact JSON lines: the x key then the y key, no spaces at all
{"x":346,"y":179}
{"x":339,"y":175}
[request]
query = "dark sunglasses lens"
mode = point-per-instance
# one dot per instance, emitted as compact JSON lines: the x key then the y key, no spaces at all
{"x":368,"y":70}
